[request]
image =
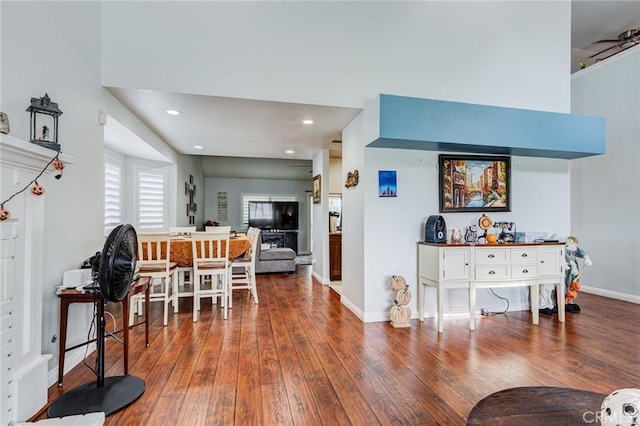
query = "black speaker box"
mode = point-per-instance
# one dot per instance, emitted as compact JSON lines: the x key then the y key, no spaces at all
{"x":435,"y":230}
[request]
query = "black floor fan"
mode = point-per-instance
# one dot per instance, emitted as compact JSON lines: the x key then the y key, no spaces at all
{"x":115,"y":268}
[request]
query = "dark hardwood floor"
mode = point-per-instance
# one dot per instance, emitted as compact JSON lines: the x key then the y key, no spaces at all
{"x":300,"y":357}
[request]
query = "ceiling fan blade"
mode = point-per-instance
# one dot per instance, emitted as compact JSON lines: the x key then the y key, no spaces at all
{"x":607,"y":40}
{"x":602,"y":51}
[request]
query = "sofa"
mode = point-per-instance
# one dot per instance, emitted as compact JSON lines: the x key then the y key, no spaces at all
{"x":275,"y":259}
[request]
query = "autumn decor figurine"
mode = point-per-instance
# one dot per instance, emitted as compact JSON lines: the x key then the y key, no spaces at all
{"x":400,"y":314}
{"x":572,"y":254}
{"x":573,"y":272}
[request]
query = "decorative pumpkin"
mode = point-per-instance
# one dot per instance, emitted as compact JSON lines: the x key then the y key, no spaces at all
{"x":58,"y":165}
{"x":37,"y":189}
{"x":575,"y":286}
{"x":398,"y":283}
{"x":4,"y":213}
{"x":572,"y":294}
{"x":403,"y":297}
{"x":400,"y":316}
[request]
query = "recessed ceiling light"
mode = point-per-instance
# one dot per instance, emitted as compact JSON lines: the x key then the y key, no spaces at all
{"x":307,"y":121}
{"x":289,"y":151}
{"x":198,"y":146}
{"x":173,"y":112}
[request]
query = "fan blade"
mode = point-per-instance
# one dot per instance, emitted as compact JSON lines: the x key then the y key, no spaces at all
{"x":601,"y":52}
{"x":614,"y":40}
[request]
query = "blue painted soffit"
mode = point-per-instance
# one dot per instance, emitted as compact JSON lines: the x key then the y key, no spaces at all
{"x":431,"y":125}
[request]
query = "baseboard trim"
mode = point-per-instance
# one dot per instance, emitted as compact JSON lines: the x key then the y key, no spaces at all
{"x":610,"y":294}
{"x":72,"y":359}
{"x":320,"y":279}
{"x":353,"y":308}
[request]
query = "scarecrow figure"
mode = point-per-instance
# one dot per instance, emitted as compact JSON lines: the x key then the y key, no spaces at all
{"x":572,"y":276}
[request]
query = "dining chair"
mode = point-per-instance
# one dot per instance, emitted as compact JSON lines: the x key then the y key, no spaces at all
{"x":217,"y":229}
{"x":154,"y":261}
{"x":181,"y":230}
{"x":183,"y":285}
{"x":243,"y":269}
{"x":211,"y":259}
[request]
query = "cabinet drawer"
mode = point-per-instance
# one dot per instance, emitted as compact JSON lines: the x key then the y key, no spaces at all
{"x":523,"y":255}
{"x":524,"y":271}
{"x":490,"y":273}
{"x":492,"y":256}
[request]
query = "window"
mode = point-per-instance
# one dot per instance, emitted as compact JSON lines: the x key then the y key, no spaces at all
{"x":152,"y":193}
{"x":112,"y":192}
{"x":261,"y":197}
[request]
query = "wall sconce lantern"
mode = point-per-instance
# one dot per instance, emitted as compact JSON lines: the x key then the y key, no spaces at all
{"x":44,"y":122}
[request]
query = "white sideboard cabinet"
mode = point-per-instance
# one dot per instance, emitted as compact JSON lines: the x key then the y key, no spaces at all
{"x":448,"y":266}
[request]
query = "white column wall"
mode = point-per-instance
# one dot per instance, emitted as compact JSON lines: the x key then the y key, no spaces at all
{"x":320,"y":230}
{"x":605,"y":190}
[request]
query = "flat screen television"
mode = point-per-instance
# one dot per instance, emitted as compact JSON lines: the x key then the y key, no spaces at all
{"x":286,"y":214}
{"x":261,"y":215}
{"x":282,"y":215}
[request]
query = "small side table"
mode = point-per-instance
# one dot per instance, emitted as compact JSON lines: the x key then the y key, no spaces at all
{"x":69,"y":297}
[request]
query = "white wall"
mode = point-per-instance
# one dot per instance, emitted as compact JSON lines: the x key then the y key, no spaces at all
{"x":66,"y":65}
{"x":400,"y":222}
{"x":320,"y":229}
{"x":236,"y":187}
{"x":336,"y":182}
{"x":605,"y":190}
{"x":480,"y":52}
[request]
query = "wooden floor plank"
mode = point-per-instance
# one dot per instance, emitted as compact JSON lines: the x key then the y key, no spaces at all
{"x":301,"y":357}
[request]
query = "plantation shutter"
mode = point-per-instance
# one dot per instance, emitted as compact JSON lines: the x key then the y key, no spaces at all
{"x":112,"y":210}
{"x":151,"y":190}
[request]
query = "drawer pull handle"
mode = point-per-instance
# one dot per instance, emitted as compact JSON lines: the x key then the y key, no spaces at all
{"x":525,"y":271}
{"x":491,"y":256}
{"x":524,"y":255}
{"x":492,"y":272}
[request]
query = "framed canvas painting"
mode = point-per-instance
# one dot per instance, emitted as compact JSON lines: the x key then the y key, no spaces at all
{"x":474,"y":183}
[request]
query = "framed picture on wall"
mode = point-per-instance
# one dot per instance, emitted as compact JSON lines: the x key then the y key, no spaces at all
{"x":387,"y":185}
{"x":317,"y":189}
{"x":474,"y":183}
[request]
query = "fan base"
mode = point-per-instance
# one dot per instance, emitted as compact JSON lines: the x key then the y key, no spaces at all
{"x":116,"y":394}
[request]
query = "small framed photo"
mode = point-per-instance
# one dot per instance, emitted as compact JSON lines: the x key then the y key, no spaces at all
{"x":317,"y":189}
{"x":387,"y":184}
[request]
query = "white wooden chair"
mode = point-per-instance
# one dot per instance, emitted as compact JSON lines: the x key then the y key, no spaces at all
{"x":154,"y":250}
{"x":181,"y":230}
{"x":183,"y":285}
{"x":211,"y":259}
{"x":243,"y":269}
{"x":217,"y":228}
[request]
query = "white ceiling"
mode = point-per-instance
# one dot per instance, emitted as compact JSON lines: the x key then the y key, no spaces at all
{"x":231,"y":127}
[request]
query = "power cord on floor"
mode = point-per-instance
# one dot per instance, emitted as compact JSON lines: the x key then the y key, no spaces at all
{"x":486,"y":312}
